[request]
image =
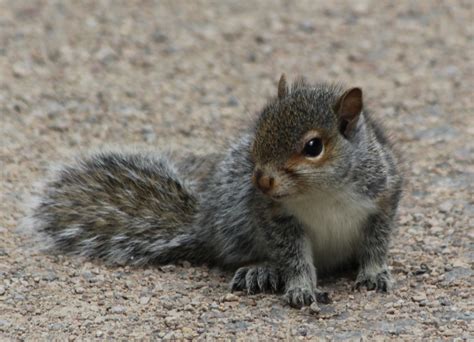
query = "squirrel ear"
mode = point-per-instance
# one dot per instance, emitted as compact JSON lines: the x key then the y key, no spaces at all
{"x":282,"y":88}
{"x":348,"y":108}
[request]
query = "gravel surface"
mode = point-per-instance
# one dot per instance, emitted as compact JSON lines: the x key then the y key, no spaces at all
{"x":79,"y":75}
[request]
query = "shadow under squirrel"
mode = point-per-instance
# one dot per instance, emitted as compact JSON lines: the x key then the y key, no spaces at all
{"x":312,"y":186}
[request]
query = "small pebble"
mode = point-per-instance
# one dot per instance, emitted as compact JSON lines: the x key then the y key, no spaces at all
{"x":188,"y":333}
{"x":186,"y":264}
{"x":422,"y":270}
{"x":446,"y":206}
{"x":144,"y":300}
{"x":20,"y":69}
{"x":171,"y":321}
{"x":314,"y":308}
{"x":117,"y":309}
{"x":230,"y":297}
{"x":419,"y":298}
{"x":168,"y":268}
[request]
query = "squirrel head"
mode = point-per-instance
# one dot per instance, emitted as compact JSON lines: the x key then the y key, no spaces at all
{"x":303,"y":138}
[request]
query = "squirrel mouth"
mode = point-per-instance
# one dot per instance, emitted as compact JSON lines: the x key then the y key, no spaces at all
{"x":277,"y":197}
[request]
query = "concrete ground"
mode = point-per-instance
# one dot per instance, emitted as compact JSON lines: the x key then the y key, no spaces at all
{"x":78,"y":75}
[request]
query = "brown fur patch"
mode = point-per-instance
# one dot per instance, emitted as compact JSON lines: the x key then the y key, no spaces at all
{"x":298,"y":159}
{"x":384,"y":201}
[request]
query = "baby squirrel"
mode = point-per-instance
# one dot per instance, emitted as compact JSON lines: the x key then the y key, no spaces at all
{"x":311,"y":187}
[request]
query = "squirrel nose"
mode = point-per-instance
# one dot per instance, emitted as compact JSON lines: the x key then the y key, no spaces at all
{"x":263,"y":182}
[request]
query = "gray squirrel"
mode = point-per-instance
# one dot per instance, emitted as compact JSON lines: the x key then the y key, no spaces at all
{"x":311,"y":187}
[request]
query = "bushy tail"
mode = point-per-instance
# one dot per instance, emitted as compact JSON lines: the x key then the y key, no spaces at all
{"x":122,"y":208}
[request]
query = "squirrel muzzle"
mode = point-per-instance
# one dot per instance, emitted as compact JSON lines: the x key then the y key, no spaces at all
{"x":266,"y":181}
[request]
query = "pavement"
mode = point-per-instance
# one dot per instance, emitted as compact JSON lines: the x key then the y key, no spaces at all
{"x":81,"y":75}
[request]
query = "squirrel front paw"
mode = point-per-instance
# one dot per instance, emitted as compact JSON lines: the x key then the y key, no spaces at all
{"x":253,"y":279}
{"x":298,"y":297}
{"x":374,"y":279}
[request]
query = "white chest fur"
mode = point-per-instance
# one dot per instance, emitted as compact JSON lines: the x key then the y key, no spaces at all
{"x":334,"y":224}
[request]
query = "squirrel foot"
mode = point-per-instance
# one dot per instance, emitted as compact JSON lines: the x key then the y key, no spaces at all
{"x":379,"y":280}
{"x":254,"y":279}
{"x":298,"y":297}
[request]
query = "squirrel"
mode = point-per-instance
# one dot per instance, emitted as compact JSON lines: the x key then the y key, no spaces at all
{"x":313,"y":185}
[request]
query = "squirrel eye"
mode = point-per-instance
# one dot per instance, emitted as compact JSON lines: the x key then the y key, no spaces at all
{"x":313,"y":148}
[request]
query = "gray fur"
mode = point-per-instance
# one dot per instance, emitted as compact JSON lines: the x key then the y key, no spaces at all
{"x":145,"y":209}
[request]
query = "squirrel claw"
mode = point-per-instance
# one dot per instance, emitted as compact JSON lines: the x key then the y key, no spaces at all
{"x":381,"y":281}
{"x":298,"y":297}
{"x":259,"y":278}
